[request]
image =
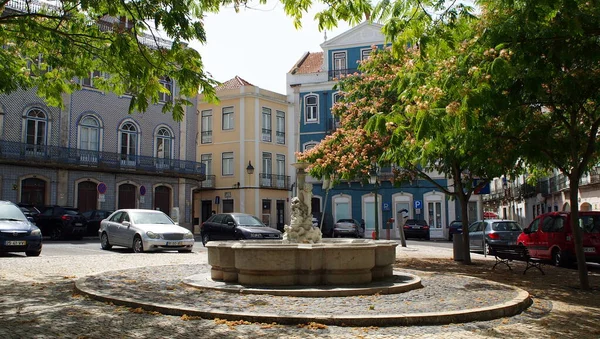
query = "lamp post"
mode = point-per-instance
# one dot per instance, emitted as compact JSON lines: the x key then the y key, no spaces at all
{"x":373,"y":180}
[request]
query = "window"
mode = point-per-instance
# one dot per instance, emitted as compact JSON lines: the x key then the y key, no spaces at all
{"x":36,"y":123}
{"x":89,"y":139}
{"x":337,"y":96}
{"x":309,"y":145}
{"x":365,"y":53}
{"x":267,"y":163}
{"x":339,"y":64}
{"x":89,"y":81}
{"x":128,"y":143}
{"x":206,"y":127}
{"x":266,"y":124}
{"x":167,"y":83}
{"x":228,"y":206}
{"x":227,"y":163}
{"x":280,"y":134}
{"x":164,"y":147}
{"x":206,"y":159}
{"x":311,"y":108}
{"x":280,"y":168}
{"x":227,"y":118}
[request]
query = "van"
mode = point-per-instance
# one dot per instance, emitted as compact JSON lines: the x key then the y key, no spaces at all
{"x":550,"y":236}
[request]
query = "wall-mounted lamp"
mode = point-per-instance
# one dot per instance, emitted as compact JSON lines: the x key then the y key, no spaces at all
{"x":236,"y":185}
{"x":250,"y":168}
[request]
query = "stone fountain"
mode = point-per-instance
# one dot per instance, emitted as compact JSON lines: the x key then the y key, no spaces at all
{"x":302,"y":258}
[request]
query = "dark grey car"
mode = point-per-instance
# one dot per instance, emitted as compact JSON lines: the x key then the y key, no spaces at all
{"x":348,"y":227}
{"x":236,"y":226}
{"x":494,"y":231}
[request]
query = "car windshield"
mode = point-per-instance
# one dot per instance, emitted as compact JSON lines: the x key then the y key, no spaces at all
{"x":346,"y":220}
{"x":506,"y":226}
{"x":71,"y":212}
{"x":150,"y":218}
{"x":248,"y":220}
{"x":11,"y":212}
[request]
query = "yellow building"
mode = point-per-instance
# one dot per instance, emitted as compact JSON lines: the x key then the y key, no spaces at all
{"x":246,"y":143}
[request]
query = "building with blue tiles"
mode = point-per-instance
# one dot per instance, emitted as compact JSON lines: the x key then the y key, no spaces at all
{"x":311,"y":84}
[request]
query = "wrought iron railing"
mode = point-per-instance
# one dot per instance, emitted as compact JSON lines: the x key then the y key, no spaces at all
{"x":280,"y":137}
{"x":72,"y":158}
{"x":266,"y":134}
{"x":339,"y":73}
{"x":209,"y":182}
{"x":206,"y":137}
{"x":275,"y":181}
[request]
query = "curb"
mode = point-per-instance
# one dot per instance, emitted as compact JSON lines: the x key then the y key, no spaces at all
{"x":510,"y":308}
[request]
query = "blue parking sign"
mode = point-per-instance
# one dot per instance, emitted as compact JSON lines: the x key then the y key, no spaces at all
{"x":418,"y":204}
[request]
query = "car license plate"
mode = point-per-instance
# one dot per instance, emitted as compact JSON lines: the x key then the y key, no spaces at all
{"x":174,"y":243}
{"x":589,"y":250}
{"x":15,"y":243}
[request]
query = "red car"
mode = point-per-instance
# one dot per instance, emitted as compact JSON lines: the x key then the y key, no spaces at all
{"x":550,"y":236}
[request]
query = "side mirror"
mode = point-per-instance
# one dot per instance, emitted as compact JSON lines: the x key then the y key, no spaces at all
{"x":30,"y":218}
{"x":527,"y":230}
{"x":126,"y":223}
{"x":230,"y":223}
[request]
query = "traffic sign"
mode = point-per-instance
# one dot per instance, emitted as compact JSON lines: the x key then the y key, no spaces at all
{"x":418,"y":204}
{"x":101,"y":188}
{"x":217,"y":200}
{"x":142,"y":190}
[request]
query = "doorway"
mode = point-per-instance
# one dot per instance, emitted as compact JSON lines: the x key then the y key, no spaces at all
{"x":87,"y":196}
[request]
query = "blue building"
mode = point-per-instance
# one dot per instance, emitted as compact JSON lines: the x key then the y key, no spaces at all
{"x":311,"y":84}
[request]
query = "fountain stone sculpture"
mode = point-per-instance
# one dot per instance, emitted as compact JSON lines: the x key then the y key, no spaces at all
{"x":302,"y":258}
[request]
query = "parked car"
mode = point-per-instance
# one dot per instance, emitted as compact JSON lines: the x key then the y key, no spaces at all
{"x":236,"y":226}
{"x":61,"y":222}
{"x":348,"y":227}
{"x":144,"y":230}
{"x":29,"y":210}
{"x":550,"y":236}
{"x":17,"y":233}
{"x":93,"y":218}
{"x":416,"y":228}
{"x":455,"y":227}
{"x":493,"y":231}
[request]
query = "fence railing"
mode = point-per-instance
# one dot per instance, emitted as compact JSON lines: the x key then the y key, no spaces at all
{"x":274,"y":181}
{"x":64,"y":157}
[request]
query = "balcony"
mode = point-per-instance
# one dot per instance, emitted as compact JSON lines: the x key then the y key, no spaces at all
{"x":206,"y":137}
{"x":266,"y":134}
{"x":281,"y":182}
{"x":280,"y":137}
{"x":209,"y":183}
{"x":16,"y":153}
{"x":337,"y":74}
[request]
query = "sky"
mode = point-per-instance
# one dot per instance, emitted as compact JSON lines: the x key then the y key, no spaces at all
{"x":259,"y":45}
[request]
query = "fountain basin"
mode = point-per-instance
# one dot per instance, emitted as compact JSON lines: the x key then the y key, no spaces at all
{"x":276,"y":263}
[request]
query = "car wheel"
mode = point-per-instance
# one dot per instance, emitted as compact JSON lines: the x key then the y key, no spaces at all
{"x":205,"y":239}
{"x":104,"y":242}
{"x":138,"y":245}
{"x":33,"y":253}
{"x":185,"y":251}
{"x":56,"y":233}
{"x":559,"y":258}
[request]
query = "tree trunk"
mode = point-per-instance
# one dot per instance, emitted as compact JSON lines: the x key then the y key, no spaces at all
{"x":464,"y":211}
{"x":584,"y":281}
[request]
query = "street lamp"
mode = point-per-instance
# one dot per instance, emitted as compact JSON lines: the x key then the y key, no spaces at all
{"x":250,"y":168}
{"x":373,"y":180}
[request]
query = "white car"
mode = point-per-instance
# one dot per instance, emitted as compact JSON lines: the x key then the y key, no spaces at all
{"x":144,"y":230}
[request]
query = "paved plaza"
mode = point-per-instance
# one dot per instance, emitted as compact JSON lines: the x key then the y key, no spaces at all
{"x":38,"y":300}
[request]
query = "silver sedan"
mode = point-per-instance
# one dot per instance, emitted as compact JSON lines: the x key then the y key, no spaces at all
{"x":144,"y":230}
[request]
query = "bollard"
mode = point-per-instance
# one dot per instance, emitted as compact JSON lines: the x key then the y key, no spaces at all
{"x":374,"y":235}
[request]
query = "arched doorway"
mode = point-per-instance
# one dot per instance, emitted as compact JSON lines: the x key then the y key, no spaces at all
{"x":126,"y":196}
{"x":162,"y":199}
{"x":33,"y":191}
{"x":87,"y":196}
{"x":585,"y":207}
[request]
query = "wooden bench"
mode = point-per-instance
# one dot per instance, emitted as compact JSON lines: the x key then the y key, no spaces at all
{"x":506,"y":253}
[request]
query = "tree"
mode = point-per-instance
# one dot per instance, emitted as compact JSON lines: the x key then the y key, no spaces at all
{"x":410,"y":107}
{"x":546,"y":86}
{"x":47,"y":46}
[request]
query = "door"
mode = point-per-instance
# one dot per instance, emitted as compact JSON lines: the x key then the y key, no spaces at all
{"x":280,"y":214}
{"x":127,"y":232}
{"x":112,"y":228}
{"x":531,"y":240}
{"x":476,"y":236}
{"x":227,"y":230}
{"x":206,"y":209}
{"x":434,"y":219}
{"x":87,"y":196}
{"x":126,"y":196}
{"x":33,"y":191}
{"x":162,"y":199}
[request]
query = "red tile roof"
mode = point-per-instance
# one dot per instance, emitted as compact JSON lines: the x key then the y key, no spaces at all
{"x":309,"y":63}
{"x":234,"y":83}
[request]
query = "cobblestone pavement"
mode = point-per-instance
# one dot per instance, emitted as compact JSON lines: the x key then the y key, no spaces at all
{"x":37,"y":300}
